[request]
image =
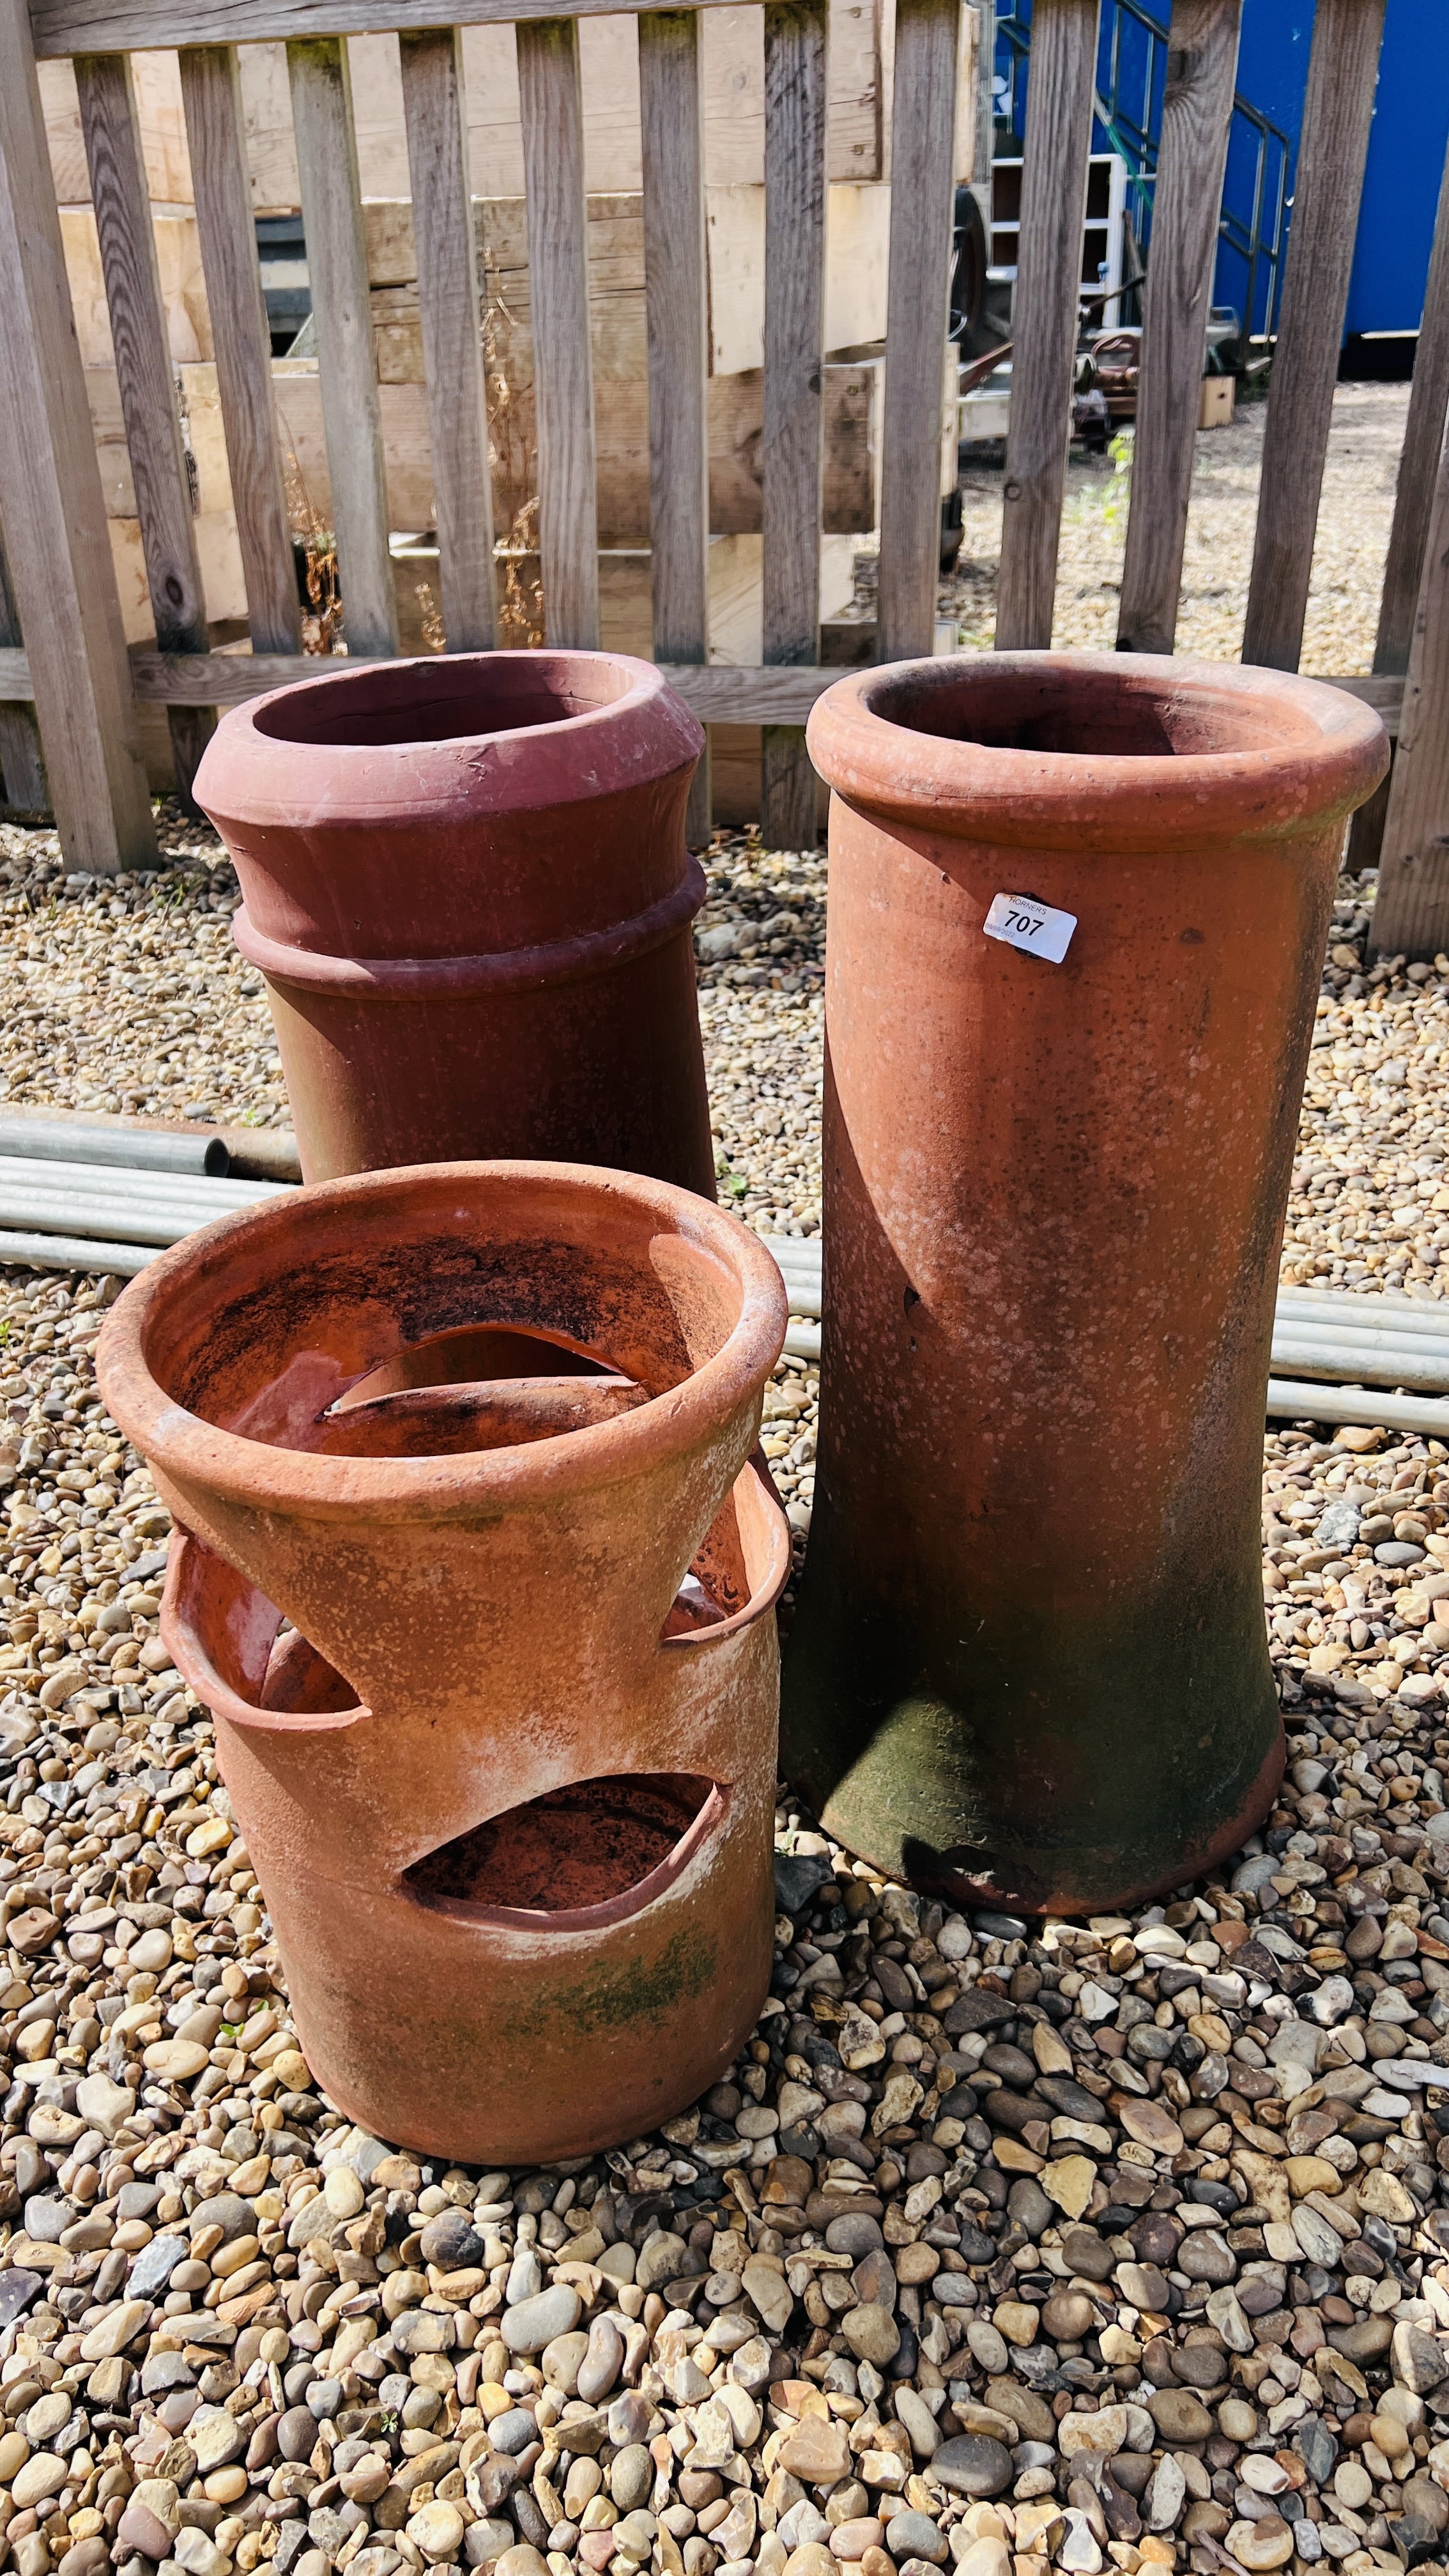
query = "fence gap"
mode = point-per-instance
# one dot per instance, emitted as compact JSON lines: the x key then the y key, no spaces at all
{"x":22,"y":765}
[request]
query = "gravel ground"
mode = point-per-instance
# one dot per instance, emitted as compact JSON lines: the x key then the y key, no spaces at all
{"x":1353,"y":536}
{"x":130,"y":995}
{"x":1002,"y":2245}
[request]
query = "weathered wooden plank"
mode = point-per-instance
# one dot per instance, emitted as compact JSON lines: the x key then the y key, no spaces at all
{"x":121,"y":199}
{"x":52,"y":506}
{"x":551,"y":101}
{"x":1196,"y":112}
{"x":1048,"y":284}
{"x":979,"y":82}
{"x":1413,"y":500}
{"x":796,"y":94}
{"x":347,"y":365}
{"x":22,"y":767}
{"x":433,"y":99}
{"x":923,"y":163}
{"x":120,"y":26}
{"x":719,"y":693}
{"x":215,"y":133}
{"x":1423,"y":431}
{"x":676,"y":298}
{"x":1337,"y":111}
{"x":1411,"y":910}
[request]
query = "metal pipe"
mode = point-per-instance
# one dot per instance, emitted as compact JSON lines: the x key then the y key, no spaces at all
{"x":1371,"y":1337}
{"x":1298,"y":1401}
{"x":140,"y":1208}
{"x":1415,"y":1315}
{"x":1395,"y":1364}
{"x":137,"y":1149}
{"x":89,"y":1182}
{"x":1357,"y":1337}
{"x":74,"y":1252}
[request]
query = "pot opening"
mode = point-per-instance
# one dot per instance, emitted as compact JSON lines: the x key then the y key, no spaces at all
{"x":454,"y":698}
{"x":1074,"y":709}
{"x":614,"y":1842}
{"x":299,"y":1682}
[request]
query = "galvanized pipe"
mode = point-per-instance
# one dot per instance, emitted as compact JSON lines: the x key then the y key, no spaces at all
{"x":1294,"y":1400}
{"x":138,"y":1208}
{"x":1380,"y":1361}
{"x":74,"y":1252}
{"x":1349,"y":1309}
{"x":1374,"y":1337}
{"x":135,"y":1149}
{"x":179,"y":1189}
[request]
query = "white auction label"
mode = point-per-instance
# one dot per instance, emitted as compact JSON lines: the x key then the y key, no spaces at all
{"x":1024,"y":923}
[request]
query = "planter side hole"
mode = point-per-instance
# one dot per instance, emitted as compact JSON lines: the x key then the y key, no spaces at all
{"x":610,"y":1843}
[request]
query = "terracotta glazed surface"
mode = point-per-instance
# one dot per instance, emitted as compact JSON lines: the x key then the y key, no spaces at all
{"x":507,"y":1779}
{"x":466,"y":885}
{"x":1029,"y":1659}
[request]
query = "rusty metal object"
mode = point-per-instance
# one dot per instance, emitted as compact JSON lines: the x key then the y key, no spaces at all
{"x":1029,"y":1662}
{"x":1116,"y":367}
{"x":485,"y":1435}
{"x":466,"y":885}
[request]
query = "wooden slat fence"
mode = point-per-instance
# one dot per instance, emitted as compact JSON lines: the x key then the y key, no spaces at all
{"x":72,"y":683}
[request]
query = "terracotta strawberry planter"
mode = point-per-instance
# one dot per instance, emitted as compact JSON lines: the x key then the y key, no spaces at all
{"x":466,"y":885}
{"x":484,"y":1435}
{"x":1029,"y":1661}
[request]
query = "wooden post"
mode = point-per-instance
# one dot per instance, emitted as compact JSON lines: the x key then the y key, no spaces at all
{"x":52,"y":507}
{"x":551,"y":100}
{"x":146,"y":383}
{"x":792,"y":454}
{"x":676,"y":299}
{"x":215,"y":134}
{"x":22,"y":769}
{"x":1411,"y":913}
{"x":1048,"y":288}
{"x":1333,"y":146}
{"x":1197,"y":110}
{"x":923,"y":190}
{"x":347,"y":361}
{"x":1413,"y":500}
{"x":983,"y":146}
{"x":447,"y":257}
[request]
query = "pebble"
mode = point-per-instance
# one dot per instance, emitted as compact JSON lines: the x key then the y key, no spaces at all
{"x":816,"y":2451}
{"x":536,"y":2321}
{"x":973,"y":2465}
{"x":1263,"y":2544}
